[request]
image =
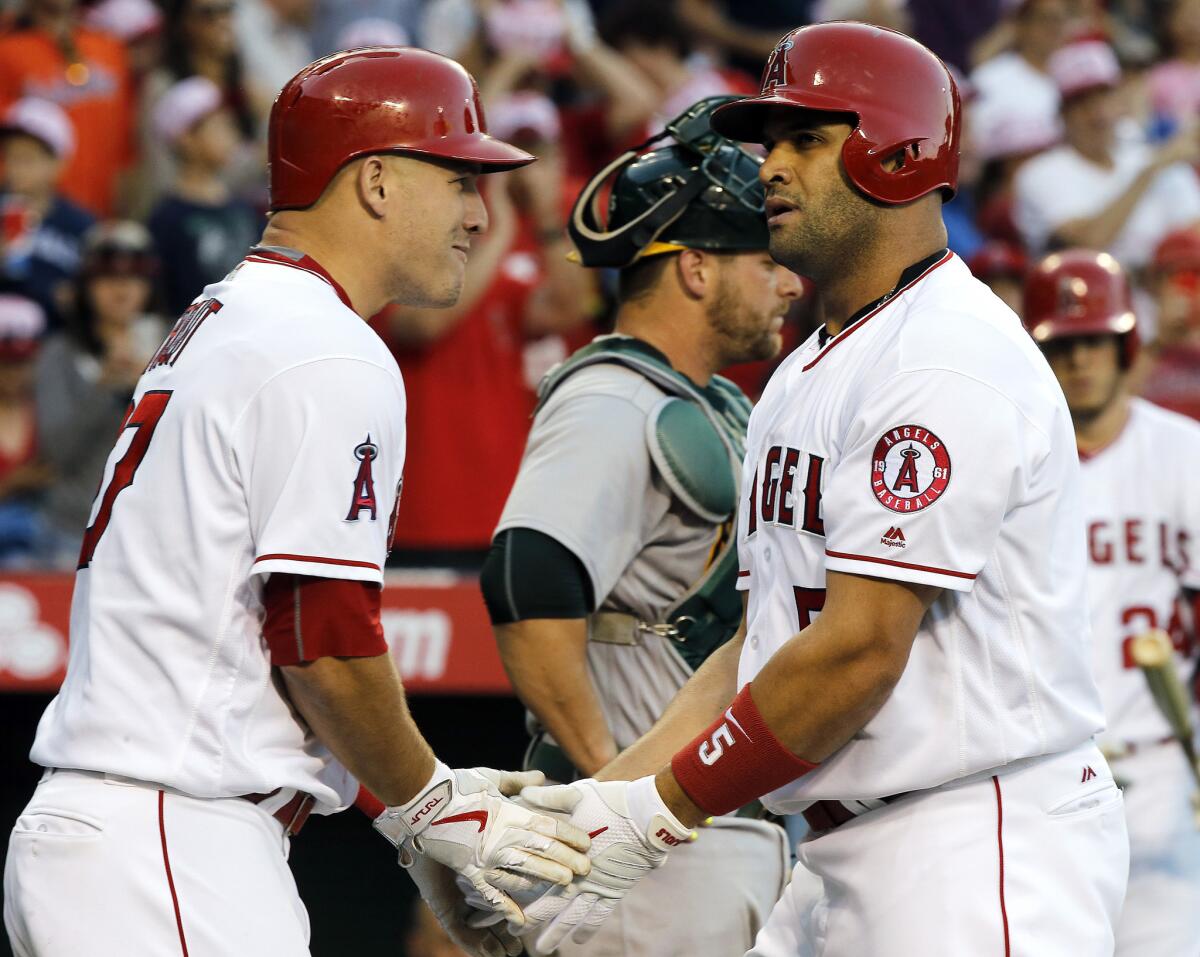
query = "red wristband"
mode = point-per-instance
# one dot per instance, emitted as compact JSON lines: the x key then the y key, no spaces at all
{"x":736,"y":760}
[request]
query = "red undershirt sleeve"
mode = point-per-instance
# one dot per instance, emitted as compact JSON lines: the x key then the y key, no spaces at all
{"x":309,"y":618}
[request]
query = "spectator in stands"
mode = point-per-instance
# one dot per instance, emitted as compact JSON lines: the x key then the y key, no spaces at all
{"x":87,"y":373}
{"x":653,"y":40}
{"x":1015,"y":84}
{"x":138,"y":24}
{"x":275,"y":39}
{"x":470,"y":395}
{"x":1169,"y":369}
{"x":22,"y":476}
{"x":1002,"y":267}
{"x":42,"y":230}
{"x":50,"y":57}
{"x":333,"y":18}
{"x":200,"y":230}
{"x":1100,"y":190}
{"x":1002,"y":149}
{"x":201,"y":42}
{"x":1175,"y":83}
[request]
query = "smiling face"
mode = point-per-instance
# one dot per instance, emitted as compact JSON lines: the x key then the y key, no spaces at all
{"x":439,"y":211}
{"x":746,"y":311}
{"x":816,"y":218}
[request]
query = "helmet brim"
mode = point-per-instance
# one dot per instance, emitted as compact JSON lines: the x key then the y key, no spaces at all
{"x":492,"y":155}
{"x":746,"y":120}
{"x":1050,"y":328}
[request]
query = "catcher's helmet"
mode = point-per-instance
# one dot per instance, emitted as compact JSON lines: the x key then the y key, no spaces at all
{"x":375,"y":100}
{"x":700,"y":192}
{"x":901,"y":95}
{"x":1078,"y":292}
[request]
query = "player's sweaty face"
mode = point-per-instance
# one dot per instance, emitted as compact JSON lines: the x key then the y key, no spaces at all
{"x":753,"y":293}
{"x":817,"y":219}
{"x":441,"y":212}
{"x":1088,"y":369}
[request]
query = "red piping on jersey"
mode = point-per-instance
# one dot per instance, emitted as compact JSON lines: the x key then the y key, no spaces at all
{"x":888,"y":561}
{"x":1000,"y":845}
{"x":317,"y":560}
{"x":841,"y":337}
{"x":304,"y":264}
{"x":162,"y":833}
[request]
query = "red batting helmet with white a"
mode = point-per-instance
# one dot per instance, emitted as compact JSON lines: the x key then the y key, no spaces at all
{"x":375,"y":100}
{"x":903,"y":99}
{"x":1078,"y":292}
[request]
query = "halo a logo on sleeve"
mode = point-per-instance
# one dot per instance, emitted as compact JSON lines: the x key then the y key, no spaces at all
{"x":910,"y":469}
{"x":363,"y":499}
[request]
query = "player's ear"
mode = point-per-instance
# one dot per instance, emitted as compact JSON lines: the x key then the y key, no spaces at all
{"x":696,"y":272}
{"x":373,"y":183}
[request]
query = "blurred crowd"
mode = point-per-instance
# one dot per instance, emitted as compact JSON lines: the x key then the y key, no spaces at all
{"x":132,"y":173}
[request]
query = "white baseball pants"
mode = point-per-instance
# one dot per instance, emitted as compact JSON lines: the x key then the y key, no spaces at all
{"x":104,"y":866}
{"x":1029,"y":862}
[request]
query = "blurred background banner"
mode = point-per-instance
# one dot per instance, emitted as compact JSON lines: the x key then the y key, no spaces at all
{"x":434,"y":622}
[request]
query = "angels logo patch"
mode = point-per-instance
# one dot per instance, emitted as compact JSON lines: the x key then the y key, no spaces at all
{"x":910,"y":469}
{"x":363,"y":499}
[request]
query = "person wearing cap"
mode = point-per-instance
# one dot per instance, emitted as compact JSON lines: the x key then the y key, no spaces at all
{"x":599,"y":623}
{"x":87,"y":373}
{"x":42,"y":231}
{"x":23,"y":474}
{"x":1101,"y":189}
{"x":471,"y":371}
{"x":201,"y":230}
{"x":1138,"y":466}
{"x":1168,"y":369}
{"x":913,"y":670}
{"x":229,"y":673}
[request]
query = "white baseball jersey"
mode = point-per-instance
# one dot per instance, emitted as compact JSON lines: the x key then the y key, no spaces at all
{"x":927,"y":442}
{"x":266,"y":436}
{"x":1143,"y":530}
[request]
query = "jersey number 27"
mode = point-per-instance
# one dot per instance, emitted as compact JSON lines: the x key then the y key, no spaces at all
{"x":144,"y":419}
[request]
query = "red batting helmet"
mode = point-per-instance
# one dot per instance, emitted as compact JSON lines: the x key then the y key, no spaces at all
{"x":1178,"y":250}
{"x":902,"y":97}
{"x":1078,"y":292}
{"x":376,"y":100}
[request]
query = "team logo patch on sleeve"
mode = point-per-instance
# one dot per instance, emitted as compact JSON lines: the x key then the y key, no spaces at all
{"x":364,"y":482}
{"x":910,"y":469}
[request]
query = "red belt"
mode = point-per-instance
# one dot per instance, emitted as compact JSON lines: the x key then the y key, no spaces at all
{"x":826,"y":815}
{"x":293,"y":814}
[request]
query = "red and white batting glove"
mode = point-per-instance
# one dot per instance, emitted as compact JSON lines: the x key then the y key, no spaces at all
{"x":631,"y":830}
{"x":461,"y":819}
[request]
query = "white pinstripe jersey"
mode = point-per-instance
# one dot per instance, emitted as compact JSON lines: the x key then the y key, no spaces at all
{"x":266,"y":436}
{"x":927,"y":442}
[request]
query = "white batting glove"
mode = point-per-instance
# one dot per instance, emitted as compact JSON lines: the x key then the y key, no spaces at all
{"x":437,"y":884}
{"x":461,"y":819}
{"x":631,"y":830}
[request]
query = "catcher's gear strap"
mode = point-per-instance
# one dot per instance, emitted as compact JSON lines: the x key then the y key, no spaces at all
{"x":691,"y":458}
{"x":527,"y":574}
{"x":309,"y":618}
{"x":735,"y":760}
{"x":708,"y":613}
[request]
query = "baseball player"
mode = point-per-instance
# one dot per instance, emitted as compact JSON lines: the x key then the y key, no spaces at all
{"x":601,"y":623}
{"x":913,"y":673}
{"x":228,"y":674}
{"x":1142,"y":516}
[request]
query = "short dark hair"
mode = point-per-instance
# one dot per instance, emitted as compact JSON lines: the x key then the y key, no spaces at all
{"x":638,"y":280}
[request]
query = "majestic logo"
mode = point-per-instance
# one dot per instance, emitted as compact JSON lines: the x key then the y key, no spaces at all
{"x":775,"y":73}
{"x":894,"y":537}
{"x":1088,"y":774}
{"x":467,"y":817}
{"x":364,"y":482}
{"x":910,"y":469}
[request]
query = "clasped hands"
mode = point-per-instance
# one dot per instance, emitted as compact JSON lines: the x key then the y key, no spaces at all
{"x":499,"y":857}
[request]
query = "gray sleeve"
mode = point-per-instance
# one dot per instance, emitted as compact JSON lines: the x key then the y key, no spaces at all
{"x":586,"y":481}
